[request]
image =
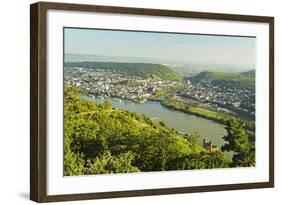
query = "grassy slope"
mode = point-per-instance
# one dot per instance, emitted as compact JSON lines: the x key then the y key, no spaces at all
{"x":117,"y":120}
{"x":99,"y":139}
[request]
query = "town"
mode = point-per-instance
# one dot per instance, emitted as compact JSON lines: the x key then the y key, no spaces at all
{"x":109,"y":83}
{"x":101,"y":82}
{"x":226,"y":99}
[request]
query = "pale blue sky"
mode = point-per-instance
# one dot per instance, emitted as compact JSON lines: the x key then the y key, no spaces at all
{"x":175,"y":47}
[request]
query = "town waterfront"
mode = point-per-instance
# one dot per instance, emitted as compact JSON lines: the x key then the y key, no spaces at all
{"x":180,"y":121}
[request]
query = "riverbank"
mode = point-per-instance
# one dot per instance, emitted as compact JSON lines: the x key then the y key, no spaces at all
{"x":128,"y":140}
{"x":193,"y":110}
{"x":210,"y":115}
{"x":204,"y":113}
{"x":161,"y":94}
{"x":180,"y":121}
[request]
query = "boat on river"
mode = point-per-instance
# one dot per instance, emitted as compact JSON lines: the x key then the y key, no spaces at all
{"x":117,"y":99}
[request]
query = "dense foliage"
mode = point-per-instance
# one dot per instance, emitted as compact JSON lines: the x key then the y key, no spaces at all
{"x":138,"y":69}
{"x":240,"y":81}
{"x":237,"y":140}
{"x":99,"y":139}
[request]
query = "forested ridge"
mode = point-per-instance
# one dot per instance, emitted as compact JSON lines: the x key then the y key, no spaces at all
{"x":230,"y":80}
{"x":138,"y":69}
{"x":99,"y":139}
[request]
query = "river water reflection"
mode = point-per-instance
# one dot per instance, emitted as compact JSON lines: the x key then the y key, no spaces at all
{"x":180,"y":121}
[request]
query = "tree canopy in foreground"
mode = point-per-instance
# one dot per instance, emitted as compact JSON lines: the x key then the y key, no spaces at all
{"x":99,"y":140}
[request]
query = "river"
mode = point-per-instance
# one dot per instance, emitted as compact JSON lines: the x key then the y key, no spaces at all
{"x":180,"y":121}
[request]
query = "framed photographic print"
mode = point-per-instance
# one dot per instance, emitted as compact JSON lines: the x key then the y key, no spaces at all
{"x":135,"y":102}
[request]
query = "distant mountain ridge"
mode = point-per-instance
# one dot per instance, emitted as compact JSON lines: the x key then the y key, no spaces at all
{"x":138,"y":69}
{"x":250,"y":74}
{"x":195,"y":68}
{"x":183,"y":67}
{"x":73,"y":57}
{"x":226,"y":79}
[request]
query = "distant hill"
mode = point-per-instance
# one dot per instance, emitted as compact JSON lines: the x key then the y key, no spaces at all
{"x":138,"y":69}
{"x":76,"y":57}
{"x":250,"y":74}
{"x":225,"y":79}
{"x":195,"y":68}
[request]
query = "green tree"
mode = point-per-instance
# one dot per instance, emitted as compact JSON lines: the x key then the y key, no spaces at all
{"x":201,"y":160}
{"x":193,"y":138}
{"x":107,"y":164}
{"x":107,"y":104}
{"x":73,"y":164}
{"x":237,"y":140}
{"x":98,"y":140}
{"x":206,"y":161}
{"x":162,"y":123}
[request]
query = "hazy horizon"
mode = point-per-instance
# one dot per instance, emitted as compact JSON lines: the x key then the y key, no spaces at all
{"x":167,"y":47}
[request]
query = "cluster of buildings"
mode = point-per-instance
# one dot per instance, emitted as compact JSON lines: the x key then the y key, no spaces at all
{"x":224,"y":98}
{"x":110,"y":83}
{"x":101,"y":82}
